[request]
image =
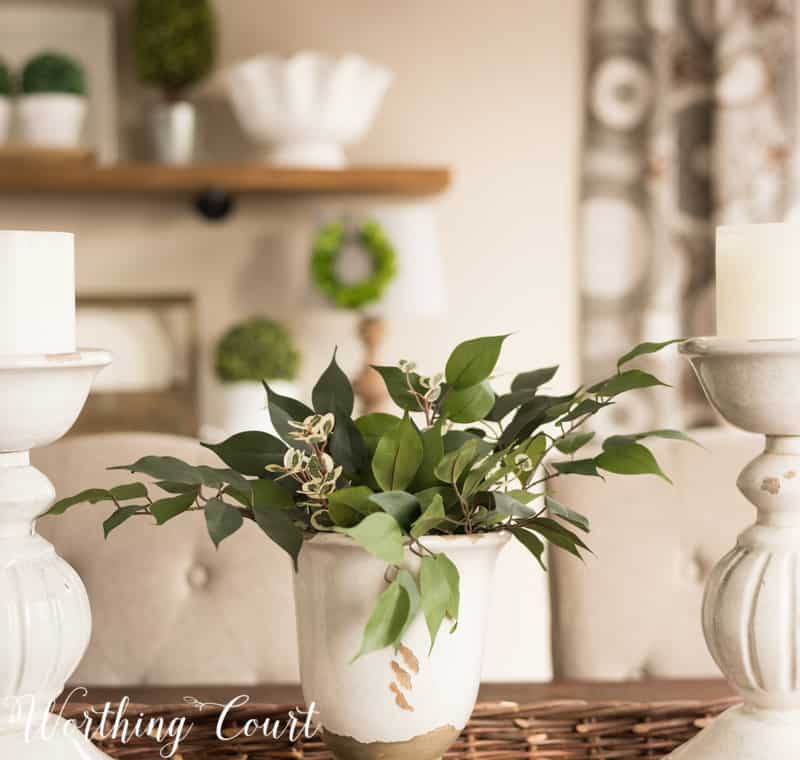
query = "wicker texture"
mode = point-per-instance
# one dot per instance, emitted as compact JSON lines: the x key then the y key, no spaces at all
{"x":559,"y":730}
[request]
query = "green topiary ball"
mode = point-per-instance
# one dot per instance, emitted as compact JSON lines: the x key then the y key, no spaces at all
{"x":259,"y":349}
{"x":174,"y":42}
{"x":6,"y":82}
{"x":53,"y":73}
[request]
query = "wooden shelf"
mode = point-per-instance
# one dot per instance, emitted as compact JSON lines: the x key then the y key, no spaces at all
{"x":232,"y":178}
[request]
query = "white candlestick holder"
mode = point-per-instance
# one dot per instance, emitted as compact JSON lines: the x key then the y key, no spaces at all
{"x":45,"y":621}
{"x":751,"y":609}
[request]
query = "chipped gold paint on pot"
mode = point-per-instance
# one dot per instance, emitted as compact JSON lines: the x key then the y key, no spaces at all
{"x":433,"y":745}
{"x":411,"y":703}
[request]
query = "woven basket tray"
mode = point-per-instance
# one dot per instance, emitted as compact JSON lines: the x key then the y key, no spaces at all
{"x":559,"y":730}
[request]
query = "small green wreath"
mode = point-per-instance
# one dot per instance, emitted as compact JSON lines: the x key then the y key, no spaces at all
{"x":327,"y":247}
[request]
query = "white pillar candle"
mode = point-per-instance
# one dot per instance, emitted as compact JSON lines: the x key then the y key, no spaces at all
{"x":758,"y":281}
{"x":37,"y":292}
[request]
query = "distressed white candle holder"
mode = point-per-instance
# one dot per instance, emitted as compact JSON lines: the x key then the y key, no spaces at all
{"x":751,"y":610}
{"x":45,"y":621}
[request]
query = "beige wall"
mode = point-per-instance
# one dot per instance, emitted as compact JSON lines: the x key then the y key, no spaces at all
{"x":492,"y":89}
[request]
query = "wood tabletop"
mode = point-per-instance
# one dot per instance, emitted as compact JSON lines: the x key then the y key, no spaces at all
{"x":590,"y":691}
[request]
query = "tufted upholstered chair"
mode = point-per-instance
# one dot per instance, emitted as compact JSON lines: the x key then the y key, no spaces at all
{"x":170,"y":609}
{"x":633,"y":611}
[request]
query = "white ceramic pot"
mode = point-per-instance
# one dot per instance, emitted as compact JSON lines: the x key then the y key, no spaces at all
{"x":404,"y":705}
{"x":173,"y":128}
{"x":5,"y":118}
{"x":52,"y":120}
{"x":244,"y":405}
{"x":307,"y":107}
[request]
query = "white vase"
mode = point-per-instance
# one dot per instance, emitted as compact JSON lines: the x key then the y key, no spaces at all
{"x":307,"y":107}
{"x":173,"y":129}
{"x":52,"y":120}
{"x":244,"y":405}
{"x":5,"y":118}
{"x":410,"y":704}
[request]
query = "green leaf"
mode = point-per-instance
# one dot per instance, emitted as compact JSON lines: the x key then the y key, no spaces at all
{"x":218,"y":476}
{"x":578,"y":467}
{"x":469,"y":404}
{"x":172,"y":487}
{"x":347,"y":446}
{"x":565,"y":513}
{"x":476,"y":477}
{"x":119,"y":516}
{"x":455,"y":439}
{"x":409,"y":583}
{"x":571,"y":442}
{"x":431,"y":518}
{"x":282,"y":409}
{"x":473,"y":361}
{"x":348,"y":506}
{"x":166,"y":468}
{"x":271,"y":495}
{"x":401,"y":505}
{"x":531,"y":542}
{"x":629,"y":380}
{"x":676,"y":435}
{"x":222,"y":520}
{"x":588,"y":406}
{"x":558,"y":535}
{"x":645,"y":348}
{"x":380,"y":535}
{"x":398,"y":457}
{"x":129,"y":491}
{"x":446,"y":493}
{"x":90,"y":496}
{"x":397,"y":384}
{"x":435,"y":594}
{"x":510,"y":506}
{"x":278,"y":525}
{"x":453,"y":465}
{"x":630,"y":459}
{"x":450,"y":572}
{"x":374,"y":426}
{"x":333,"y":392}
{"x":532,"y":381}
{"x":387,"y":621}
{"x":507,"y":403}
{"x":528,"y":418}
{"x":432,"y":453}
{"x":165,"y":509}
{"x":249,"y":453}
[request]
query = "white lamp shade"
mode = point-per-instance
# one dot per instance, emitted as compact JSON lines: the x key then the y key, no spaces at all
{"x":417,"y":290}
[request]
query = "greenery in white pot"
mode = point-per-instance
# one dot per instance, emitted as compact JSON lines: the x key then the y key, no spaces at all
{"x":53,"y":101}
{"x":6,"y":90}
{"x":382,"y":512}
{"x":249,"y":353}
{"x":174,"y":44}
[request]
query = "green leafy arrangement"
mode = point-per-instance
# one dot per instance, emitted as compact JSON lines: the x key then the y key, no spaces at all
{"x":174,"y":43}
{"x":327,"y":247}
{"x":6,"y":80}
{"x":258,"y":349}
{"x":53,"y":73}
{"x":460,"y":460}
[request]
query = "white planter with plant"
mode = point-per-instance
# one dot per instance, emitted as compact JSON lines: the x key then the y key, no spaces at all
{"x":248,"y":354}
{"x":394,"y":524}
{"x":175,"y":47}
{"x":53,"y":103}
{"x":6,"y":90}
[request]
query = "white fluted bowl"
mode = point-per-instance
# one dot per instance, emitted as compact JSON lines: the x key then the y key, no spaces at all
{"x":307,"y":107}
